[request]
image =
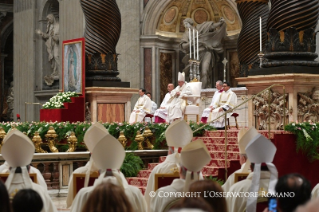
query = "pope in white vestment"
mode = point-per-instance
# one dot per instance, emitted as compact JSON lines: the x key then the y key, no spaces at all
{"x":18,"y":159}
{"x":108,"y":155}
{"x":177,"y":107}
{"x":5,"y":168}
{"x":142,"y":107}
{"x":175,"y":142}
{"x":189,"y":172}
{"x":161,"y":113}
{"x":206,"y":112}
{"x":227,"y":101}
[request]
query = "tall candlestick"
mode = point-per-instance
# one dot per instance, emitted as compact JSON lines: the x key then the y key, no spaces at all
{"x":260,"y":32}
{"x":194,"y":44}
{"x":197,"y":47}
{"x":190,"y":43}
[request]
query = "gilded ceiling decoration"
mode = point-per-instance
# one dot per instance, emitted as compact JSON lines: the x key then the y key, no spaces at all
{"x":170,"y":23}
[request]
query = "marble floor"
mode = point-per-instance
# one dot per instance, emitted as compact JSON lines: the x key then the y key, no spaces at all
{"x":59,"y":199}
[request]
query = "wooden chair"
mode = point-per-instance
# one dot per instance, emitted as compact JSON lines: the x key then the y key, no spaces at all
{"x":33,"y":177}
{"x":78,"y":181}
{"x":162,"y":180}
{"x":240,"y":176}
{"x":194,"y":99}
{"x":235,"y":115}
{"x":149,"y":116}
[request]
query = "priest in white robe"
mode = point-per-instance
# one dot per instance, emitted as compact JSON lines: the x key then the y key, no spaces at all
{"x":175,"y":142}
{"x":206,"y":112}
{"x":108,"y":155}
{"x":260,"y":152}
{"x":18,"y":159}
{"x":142,"y":107}
{"x":161,"y":113}
{"x":177,"y":107}
{"x":227,"y":101}
{"x":189,"y":172}
{"x":245,"y":135}
{"x":5,"y":168}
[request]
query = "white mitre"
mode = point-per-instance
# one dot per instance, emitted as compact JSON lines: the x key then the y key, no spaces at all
{"x":178,"y":134}
{"x":181,"y":76}
{"x":91,"y":137}
{"x":261,"y":150}
{"x":108,"y":155}
{"x":18,"y":151}
{"x":194,"y":157}
{"x":244,"y":137}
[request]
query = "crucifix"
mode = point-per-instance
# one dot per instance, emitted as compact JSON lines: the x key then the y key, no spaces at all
{"x":225,"y":61}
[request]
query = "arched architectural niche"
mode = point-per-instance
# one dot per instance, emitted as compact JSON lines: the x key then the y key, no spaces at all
{"x":7,"y":30}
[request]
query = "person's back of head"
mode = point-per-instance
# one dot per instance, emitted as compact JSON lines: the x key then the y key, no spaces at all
{"x":193,"y":203}
{"x":206,"y":187}
{"x":27,"y":200}
{"x":297,"y":190}
{"x":107,"y":197}
{"x":4,"y":198}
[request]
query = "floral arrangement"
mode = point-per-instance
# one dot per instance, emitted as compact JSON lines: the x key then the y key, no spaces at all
{"x":64,"y":129}
{"x":307,"y":138}
{"x":58,"y":100}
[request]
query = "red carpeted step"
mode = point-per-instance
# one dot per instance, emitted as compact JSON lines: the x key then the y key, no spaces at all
{"x":151,"y":166}
{"x":221,"y":133}
{"x":137,"y":181}
{"x":144,"y":173}
{"x":221,"y":147}
{"x":221,"y":155}
{"x":217,"y":140}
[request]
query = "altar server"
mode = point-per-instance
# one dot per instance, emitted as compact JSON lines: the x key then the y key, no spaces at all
{"x":161,"y":113}
{"x":261,"y":180}
{"x":177,"y":107}
{"x":227,"y":101}
{"x":244,"y":137}
{"x":206,"y":112}
{"x":175,"y":141}
{"x":108,"y":155}
{"x":18,"y":151}
{"x":194,"y":156}
{"x":142,"y":107}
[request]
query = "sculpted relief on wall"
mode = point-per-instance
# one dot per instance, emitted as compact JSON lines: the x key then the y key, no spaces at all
{"x":308,"y":106}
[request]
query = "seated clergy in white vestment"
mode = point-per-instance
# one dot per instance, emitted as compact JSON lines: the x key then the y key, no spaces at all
{"x":177,"y":107}
{"x":95,"y":133}
{"x":245,"y":135}
{"x":175,"y":141}
{"x":108,"y":156}
{"x":262,"y":180}
{"x":5,"y":168}
{"x":206,"y":112}
{"x":142,"y":107}
{"x":161,"y":113}
{"x":227,"y":101}
{"x":194,"y":156}
{"x":18,"y":151}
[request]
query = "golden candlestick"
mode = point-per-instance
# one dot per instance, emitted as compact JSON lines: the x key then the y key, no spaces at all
{"x":72,"y":141}
{"x":147,"y":134}
{"x":2,"y":135}
{"x":122,"y":139}
{"x":139,"y":139}
{"x":37,"y":141}
{"x":51,"y":137}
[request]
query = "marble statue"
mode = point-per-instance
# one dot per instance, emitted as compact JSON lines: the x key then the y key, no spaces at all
{"x":51,"y":37}
{"x":210,"y":36}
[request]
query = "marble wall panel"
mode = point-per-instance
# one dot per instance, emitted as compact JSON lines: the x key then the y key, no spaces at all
{"x":148,"y":69}
{"x":166,"y":72}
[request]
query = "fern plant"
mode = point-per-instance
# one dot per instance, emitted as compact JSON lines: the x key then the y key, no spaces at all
{"x":132,"y":165}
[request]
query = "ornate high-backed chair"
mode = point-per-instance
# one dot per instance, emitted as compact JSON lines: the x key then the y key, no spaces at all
{"x":240,"y":176}
{"x":33,"y":177}
{"x":162,"y":180}
{"x":193,"y":100}
{"x":78,"y":181}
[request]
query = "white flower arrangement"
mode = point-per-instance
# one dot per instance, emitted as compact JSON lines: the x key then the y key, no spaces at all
{"x":58,"y":100}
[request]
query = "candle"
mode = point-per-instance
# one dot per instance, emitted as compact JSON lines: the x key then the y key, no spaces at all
{"x":190,"y":43}
{"x":260,"y":32}
{"x":197,"y":47}
{"x":194,"y":44}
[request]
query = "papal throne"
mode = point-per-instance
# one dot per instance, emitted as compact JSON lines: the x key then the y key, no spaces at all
{"x":193,"y":100}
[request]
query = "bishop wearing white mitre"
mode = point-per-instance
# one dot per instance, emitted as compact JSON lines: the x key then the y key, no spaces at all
{"x":177,"y":107}
{"x":142,"y":107}
{"x":190,"y":171}
{"x":261,"y":180}
{"x":19,"y":160}
{"x":108,"y":156}
{"x":175,"y":141}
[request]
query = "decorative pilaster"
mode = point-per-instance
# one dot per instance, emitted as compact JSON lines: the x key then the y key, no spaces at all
{"x":249,"y":38}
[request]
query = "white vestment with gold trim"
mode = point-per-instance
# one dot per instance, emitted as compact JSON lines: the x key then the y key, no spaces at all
{"x":142,"y":107}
